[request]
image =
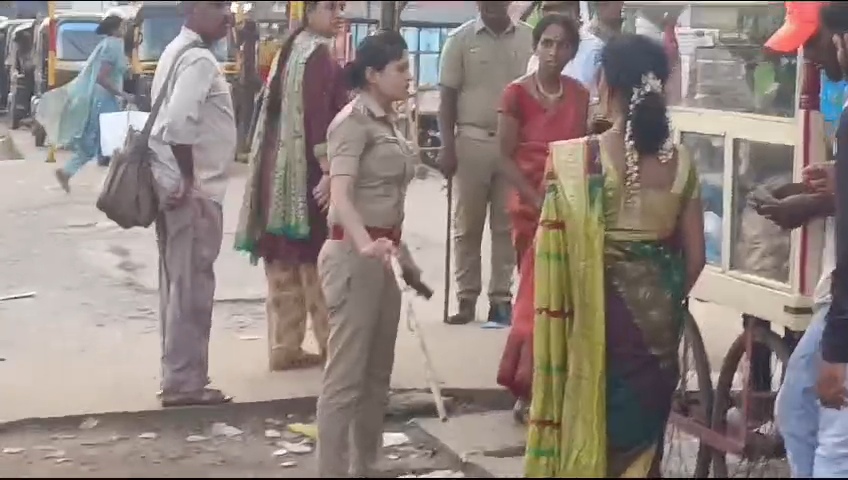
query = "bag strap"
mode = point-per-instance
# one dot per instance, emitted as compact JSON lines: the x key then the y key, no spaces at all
{"x":157,"y":105}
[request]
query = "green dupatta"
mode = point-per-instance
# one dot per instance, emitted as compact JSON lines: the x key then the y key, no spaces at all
{"x":567,"y":434}
{"x":288,"y":214}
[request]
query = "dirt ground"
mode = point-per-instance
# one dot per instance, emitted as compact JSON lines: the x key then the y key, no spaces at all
{"x":186,"y":444}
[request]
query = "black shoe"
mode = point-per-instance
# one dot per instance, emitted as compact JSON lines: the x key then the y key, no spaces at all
{"x":465,"y":315}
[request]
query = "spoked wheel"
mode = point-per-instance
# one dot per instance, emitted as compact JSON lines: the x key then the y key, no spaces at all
{"x":685,"y":456}
{"x":763,"y":454}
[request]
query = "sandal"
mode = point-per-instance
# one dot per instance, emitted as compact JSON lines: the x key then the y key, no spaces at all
{"x":302,"y":361}
{"x":64,"y":180}
{"x":207,"y":396}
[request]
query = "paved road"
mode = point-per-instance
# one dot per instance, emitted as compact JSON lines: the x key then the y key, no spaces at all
{"x":87,"y":342}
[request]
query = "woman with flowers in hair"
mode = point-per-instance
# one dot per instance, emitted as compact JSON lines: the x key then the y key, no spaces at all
{"x":620,"y":244}
{"x":282,"y":219}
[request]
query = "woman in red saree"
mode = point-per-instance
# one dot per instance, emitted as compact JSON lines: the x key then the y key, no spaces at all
{"x":542,"y":107}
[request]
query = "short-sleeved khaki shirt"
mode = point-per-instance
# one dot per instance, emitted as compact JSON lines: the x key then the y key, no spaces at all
{"x":365,"y":142}
{"x":480,"y":64}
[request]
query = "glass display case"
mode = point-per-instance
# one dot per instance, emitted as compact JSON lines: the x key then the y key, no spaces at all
{"x":735,"y":109}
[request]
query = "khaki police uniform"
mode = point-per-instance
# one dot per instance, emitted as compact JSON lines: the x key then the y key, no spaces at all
{"x":479,"y":64}
{"x":363,"y":298}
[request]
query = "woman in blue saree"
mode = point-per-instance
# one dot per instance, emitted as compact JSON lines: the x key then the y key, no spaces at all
{"x":95,"y":90}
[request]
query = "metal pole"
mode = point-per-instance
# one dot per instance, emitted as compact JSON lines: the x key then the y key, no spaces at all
{"x":51,"y":63}
{"x":390,"y":15}
{"x":448,"y":241}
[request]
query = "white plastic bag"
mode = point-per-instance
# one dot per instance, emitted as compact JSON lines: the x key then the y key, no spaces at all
{"x":114,"y":127}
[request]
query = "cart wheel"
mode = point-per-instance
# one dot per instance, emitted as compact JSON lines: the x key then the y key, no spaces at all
{"x":685,"y":456}
{"x":763,"y":453}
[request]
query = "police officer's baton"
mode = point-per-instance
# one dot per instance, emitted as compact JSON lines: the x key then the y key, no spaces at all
{"x":448,"y":250}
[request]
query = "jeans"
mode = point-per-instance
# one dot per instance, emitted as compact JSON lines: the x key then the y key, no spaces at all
{"x":816,"y":438}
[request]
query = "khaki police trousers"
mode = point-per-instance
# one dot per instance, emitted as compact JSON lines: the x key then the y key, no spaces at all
{"x":189,"y":239}
{"x":364,"y":302}
{"x":481,"y":189}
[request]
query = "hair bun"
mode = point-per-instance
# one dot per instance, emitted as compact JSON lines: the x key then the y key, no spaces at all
{"x":354,"y":74}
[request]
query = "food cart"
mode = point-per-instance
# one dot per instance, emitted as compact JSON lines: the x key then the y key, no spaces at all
{"x":749,"y":120}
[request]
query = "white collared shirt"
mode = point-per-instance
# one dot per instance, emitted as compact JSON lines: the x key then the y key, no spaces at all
{"x":198,"y":111}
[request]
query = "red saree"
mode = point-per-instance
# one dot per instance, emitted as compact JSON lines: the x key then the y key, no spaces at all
{"x":538,"y":127}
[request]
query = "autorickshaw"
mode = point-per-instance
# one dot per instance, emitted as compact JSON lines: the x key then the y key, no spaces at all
{"x":76,"y":38}
{"x":7,"y":28}
{"x":21,"y":72}
{"x":155,"y":25}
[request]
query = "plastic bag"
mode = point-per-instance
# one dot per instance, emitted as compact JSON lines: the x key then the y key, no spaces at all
{"x":114,"y":127}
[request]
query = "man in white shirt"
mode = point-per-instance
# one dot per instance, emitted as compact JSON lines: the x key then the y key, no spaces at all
{"x":194,"y":138}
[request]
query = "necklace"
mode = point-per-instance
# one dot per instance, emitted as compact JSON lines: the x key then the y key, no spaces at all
{"x":541,"y":89}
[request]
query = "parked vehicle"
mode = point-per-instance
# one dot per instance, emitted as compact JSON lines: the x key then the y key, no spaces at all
{"x":76,"y":39}
{"x":7,"y":29}
{"x":21,"y":73}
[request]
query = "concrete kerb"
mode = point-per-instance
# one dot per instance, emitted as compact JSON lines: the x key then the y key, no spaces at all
{"x":404,"y":404}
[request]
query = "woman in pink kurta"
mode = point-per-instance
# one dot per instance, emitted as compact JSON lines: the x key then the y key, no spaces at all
{"x":283,"y":219}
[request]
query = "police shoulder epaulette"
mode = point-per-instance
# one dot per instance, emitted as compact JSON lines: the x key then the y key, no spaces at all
{"x":461,"y":27}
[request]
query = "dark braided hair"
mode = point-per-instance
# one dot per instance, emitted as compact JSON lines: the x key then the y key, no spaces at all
{"x":625,"y":59}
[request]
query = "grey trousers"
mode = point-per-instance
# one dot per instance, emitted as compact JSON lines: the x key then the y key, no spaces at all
{"x":364,"y":304}
{"x":189,"y":239}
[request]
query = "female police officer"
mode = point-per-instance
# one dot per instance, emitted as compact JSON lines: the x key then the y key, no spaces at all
{"x":371,"y":165}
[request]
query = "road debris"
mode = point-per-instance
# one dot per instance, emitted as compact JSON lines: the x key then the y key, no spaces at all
{"x":280,"y":453}
{"x":437,"y":474}
{"x":274,"y":434}
{"x":17,"y":296}
{"x":394,"y":439}
{"x":220,"y":429}
{"x":148,"y":436}
{"x":289,"y":464}
{"x":297,"y":448}
{"x":309,"y":430}
{"x":55,"y":455}
{"x":196,"y":438}
{"x":13,"y":450}
{"x":89,"y":423}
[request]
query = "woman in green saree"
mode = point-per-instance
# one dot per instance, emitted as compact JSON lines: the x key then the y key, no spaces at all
{"x":619,"y":246}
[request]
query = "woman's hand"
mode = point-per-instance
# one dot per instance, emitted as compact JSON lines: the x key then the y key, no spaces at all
{"x":382,"y":249}
{"x":321,"y":192}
